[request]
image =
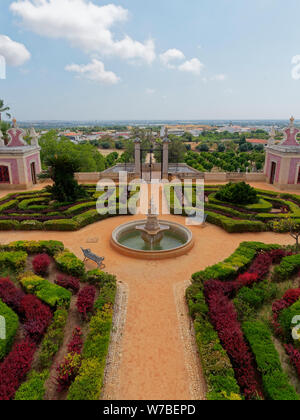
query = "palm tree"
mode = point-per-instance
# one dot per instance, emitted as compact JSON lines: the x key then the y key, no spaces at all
{"x":4,"y":108}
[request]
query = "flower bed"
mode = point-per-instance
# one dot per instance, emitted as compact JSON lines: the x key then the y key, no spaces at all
{"x":36,"y":211}
{"x":224,"y":302}
{"x":42,"y":318}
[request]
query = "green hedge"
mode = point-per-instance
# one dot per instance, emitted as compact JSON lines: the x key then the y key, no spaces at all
{"x":9,"y":205}
{"x":50,"y":293}
{"x":275,"y":382}
{"x":237,"y":262}
{"x":12,"y":324}
{"x":88,"y":384}
{"x":53,"y":338}
{"x":35,"y":247}
{"x":72,"y":211}
{"x":15,"y":260}
{"x":31,"y":225}
{"x":216,"y":365}
{"x":287,"y":268}
{"x":235,"y":226}
{"x":63,"y":225}
{"x":70,"y":264}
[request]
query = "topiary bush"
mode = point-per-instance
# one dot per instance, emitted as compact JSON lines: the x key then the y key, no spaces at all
{"x":41,"y":264}
{"x":240,"y":193}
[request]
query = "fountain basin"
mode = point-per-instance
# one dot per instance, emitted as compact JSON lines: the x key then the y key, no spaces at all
{"x":127,"y":239}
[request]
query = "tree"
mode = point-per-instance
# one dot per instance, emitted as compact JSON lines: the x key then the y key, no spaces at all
{"x":61,"y":169}
{"x":288,"y":225}
{"x":203,"y":147}
{"x":239,"y":193}
{"x":4,"y":108}
{"x":221,"y":147}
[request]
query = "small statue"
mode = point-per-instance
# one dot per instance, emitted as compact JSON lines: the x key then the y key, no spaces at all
{"x":272,"y":136}
{"x":34,"y":137}
{"x":14,"y":122}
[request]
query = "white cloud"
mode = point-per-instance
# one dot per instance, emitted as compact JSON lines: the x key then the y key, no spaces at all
{"x":192,"y":66}
{"x":296,"y":68}
{"x":84,"y":24}
{"x":94,"y":71}
{"x":15,"y":54}
{"x":219,"y":77}
{"x":150,"y":91}
{"x":169,"y":57}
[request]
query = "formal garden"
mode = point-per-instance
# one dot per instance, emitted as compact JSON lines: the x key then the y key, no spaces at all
{"x":58,"y":323}
{"x":244,"y":312}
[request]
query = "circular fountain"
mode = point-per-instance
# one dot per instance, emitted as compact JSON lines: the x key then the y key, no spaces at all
{"x":152,"y":238}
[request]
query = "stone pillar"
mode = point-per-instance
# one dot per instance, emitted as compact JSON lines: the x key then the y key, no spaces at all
{"x":137,"y":156}
{"x":165,"y":162}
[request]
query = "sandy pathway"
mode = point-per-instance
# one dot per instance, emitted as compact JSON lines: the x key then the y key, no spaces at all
{"x":154,"y":361}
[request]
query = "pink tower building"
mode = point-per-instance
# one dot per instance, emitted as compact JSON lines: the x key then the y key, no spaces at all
{"x":282,"y":167}
{"x":19,"y":161}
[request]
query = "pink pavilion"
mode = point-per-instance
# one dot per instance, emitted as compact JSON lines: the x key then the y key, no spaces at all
{"x":19,"y":161}
{"x":282,"y":167}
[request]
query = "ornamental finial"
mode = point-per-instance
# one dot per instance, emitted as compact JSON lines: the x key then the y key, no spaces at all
{"x":292,"y":120}
{"x":14,"y":122}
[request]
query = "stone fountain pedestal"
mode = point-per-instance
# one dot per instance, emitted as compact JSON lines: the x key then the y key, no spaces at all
{"x":152,"y":232}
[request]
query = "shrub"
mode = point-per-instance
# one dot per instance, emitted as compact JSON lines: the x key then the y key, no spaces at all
{"x":11,"y":295}
{"x":14,"y":260}
{"x":35,"y":247}
{"x":41,"y":263}
{"x":88,"y":383}
{"x":34,"y":388}
{"x":53,"y":338}
{"x":85,"y":301}
{"x":238,"y":261}
{"x":240,"y":193}
{"x":31,"y":225}
{"x":15,"y":368}
{"x":52,"y":294}
{"x":287,"y":268}
{"x":11,"y":325}
{"x":9,"y":205}
{"x":76,"y":344}
{"x":224,"y":319}
{"x":68,"y":282}
{"x":37,"y":317}
{"x":233,"y":225}
{"x":276,"y":384}
{"x":286,"y":321}
{"x":9,"y":225}
{"x":61,"y":225}
{"x":72,"y":211}
{"x":294,"y":355}
{"x":70,"y":264}
{"x":289,"y":298}
{"x":67,"y":371}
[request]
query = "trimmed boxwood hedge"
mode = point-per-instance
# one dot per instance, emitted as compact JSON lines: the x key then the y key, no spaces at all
{"x":287,"y":268}
{"x":14,"y":260}
{"x":52,"y":294}
{"x":12,"y":324}
{"x":88,"y":384}
{"x":286,"y":321}
{"x":237,"y":262}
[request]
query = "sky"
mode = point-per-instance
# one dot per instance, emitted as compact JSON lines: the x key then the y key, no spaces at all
{"x":160,"y":59}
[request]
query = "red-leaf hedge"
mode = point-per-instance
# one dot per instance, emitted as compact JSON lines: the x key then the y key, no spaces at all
{"x":224,"y":318}
{"x":41,"y":263}
{"x":290,"y":297}
{"x":76,"y":344}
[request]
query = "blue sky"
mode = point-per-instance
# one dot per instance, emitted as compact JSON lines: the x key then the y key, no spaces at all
{"x":136,"y":59}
